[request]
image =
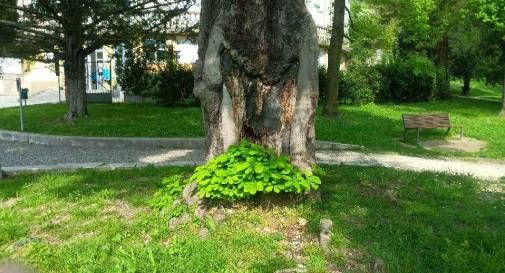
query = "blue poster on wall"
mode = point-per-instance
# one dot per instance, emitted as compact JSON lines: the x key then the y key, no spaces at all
{"x":106,"y":74}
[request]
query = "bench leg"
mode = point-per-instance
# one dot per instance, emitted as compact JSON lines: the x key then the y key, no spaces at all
{"x":461,"y":133}
{"x":405,"y":135}
{"x":417,"y":138}
{"x":448,"y":130}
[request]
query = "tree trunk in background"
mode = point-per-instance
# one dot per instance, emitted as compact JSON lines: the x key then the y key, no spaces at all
{"x":502,"y":113}
{"x":442,"y":62}
{"x":466,"y":84}
{"x":334,"y":56}
{"x":256,"y":76}
{"x":75,"y":83}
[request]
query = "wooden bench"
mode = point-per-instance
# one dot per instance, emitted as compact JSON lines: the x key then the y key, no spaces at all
{"x":428,"y":121}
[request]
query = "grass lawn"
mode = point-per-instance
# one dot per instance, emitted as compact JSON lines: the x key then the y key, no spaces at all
{"x":479,"y":90}
{"x":377,"y":127}
{"x":92,"y":221}
{"x":108,"y":120}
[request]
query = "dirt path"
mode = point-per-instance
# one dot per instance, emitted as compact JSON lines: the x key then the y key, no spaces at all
{"x":481,"y":168}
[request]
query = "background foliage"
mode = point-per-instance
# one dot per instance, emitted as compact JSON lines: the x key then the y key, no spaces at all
{"x":152,"y":70}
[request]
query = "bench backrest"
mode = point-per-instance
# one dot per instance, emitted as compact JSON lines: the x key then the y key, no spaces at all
{"x":426,"y":121}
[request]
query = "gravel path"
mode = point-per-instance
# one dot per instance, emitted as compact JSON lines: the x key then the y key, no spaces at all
{"x":13,"y":154}
{"x":23,"y":154}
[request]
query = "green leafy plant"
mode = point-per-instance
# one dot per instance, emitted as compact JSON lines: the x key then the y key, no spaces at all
{"x":248,"y":169}
{"x":172,"y":189}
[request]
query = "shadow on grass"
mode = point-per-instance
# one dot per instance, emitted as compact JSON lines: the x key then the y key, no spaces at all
{"x":479,"y":90}
{"x":136,"y":185}
{"x":10,"y":187}
{"x":413,"y":222}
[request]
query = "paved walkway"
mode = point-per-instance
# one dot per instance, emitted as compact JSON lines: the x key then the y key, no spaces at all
{"x":18,"y":156}
{"x":48,"y":96}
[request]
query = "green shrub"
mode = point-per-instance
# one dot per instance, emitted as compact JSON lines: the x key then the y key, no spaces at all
{"x":155,"y":73}
{"x":359,"y":84}
{"x":136,"y":79}
{"x":248,"y":169}
{"x":176,"y":86}
{"x":323,"y":83}
{"x":408,"y":80}
{"x":172,"y":189}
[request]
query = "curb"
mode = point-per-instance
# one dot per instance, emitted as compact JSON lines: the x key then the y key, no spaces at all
{"x":118,"y":142}
{"x":13,"y":171}
{"x":335,"y":146}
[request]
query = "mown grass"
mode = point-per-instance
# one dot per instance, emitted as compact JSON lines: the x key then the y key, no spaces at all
{"x":117,"y":120}
{"x":479,"y":90}
{"x":101,"y":222}
{"x":92,"y":221}
{"x":377,"y":127}
{"x":415,"y":222}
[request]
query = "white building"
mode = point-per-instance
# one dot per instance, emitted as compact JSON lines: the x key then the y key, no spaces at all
{"x":35,"y":76}
{"x":10,"y":69}
{"x":40,"y":76}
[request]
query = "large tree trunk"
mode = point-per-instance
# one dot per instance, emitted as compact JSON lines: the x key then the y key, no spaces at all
{"x":75,"y":82}
{"x":256,"y":76}
{"x":334,"y":56}
{"x":466,"y":84}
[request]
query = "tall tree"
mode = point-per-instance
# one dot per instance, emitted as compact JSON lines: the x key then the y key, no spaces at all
{"x":334,"y":56}
{"x":466,"y":51}
{"x":502,"y":112}
{"x":256,"y":75}
{"x":71,"y":30}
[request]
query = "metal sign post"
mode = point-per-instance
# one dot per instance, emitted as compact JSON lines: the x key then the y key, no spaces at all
{"x":18,"y":83}
{"x":57,"y":71}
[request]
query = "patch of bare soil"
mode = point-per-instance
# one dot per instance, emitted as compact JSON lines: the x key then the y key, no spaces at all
{"x":465,"y":144}
{"x":9,"y":203}
{"x":13,"y":267}
{"x":122,"y":208}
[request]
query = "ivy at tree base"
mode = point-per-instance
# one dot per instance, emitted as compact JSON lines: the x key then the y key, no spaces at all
{"x":248,"y":169}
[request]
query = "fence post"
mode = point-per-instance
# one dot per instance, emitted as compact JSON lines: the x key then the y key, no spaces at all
{"x":110,"y":76}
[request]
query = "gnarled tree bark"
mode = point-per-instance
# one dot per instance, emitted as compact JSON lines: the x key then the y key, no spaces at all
{"x":256,"y":76}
